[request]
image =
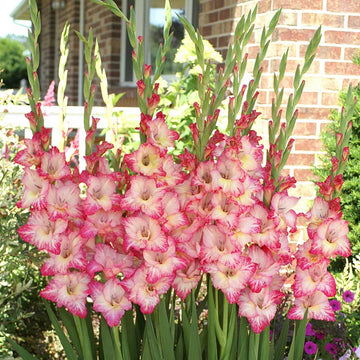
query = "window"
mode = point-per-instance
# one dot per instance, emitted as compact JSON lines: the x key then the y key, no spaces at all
{"x":150,"y":17}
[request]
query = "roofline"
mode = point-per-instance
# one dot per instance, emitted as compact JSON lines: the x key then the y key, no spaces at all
{"x":22,"y":11}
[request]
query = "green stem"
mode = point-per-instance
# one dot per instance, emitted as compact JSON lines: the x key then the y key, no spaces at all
{"x":115,"y":331}
{"x":84,"y":338}
{"x":224,"y":326}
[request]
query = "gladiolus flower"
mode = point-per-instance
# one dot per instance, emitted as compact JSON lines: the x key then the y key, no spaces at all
{"x":111,"y":300}
{"x":146,"y":160}
{"x":331,"y":239}
{"x":69,"y":290}
{"x":42,"y":232}
{"x":259,"y":308}
{"x":36,"y":189}
{"x":317,"y":305}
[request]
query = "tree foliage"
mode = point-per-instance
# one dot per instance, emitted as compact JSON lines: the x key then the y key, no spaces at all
{"x":12,"y":61}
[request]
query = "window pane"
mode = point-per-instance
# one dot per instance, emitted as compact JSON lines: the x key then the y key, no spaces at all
{"x":156,"y":22}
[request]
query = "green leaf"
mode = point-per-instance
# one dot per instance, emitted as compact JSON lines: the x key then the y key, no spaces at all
{"x":106,"y":340}
{"x":129,"y":338}
{"x":281,"y":342}
{"x":165,"y":332}
{"x":264,"y":347}
{"x":273,"y":22}
{"x":68,"y":321}
{"x":152,"y":341}
{"x":297,"y":344}
{"x":194,"y":346}
{"x":254,"y":341}
{"x":69,"y":351}
{"x":25,"y":355}
{"x":212,"y":343}
{"x":243,"y":343}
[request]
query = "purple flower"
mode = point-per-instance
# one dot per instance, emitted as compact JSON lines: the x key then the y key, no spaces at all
{"x":309,"y":330}
{"x":331,"y":348}
{"x":348,"y":296}
{"x":335,"y":304}
{"x":310,"y":348}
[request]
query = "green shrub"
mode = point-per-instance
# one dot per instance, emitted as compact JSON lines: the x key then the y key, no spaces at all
{"x":20,"y":279}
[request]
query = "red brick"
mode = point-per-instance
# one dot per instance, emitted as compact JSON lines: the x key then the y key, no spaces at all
{"x":323,"y":52}
{"x":218,"y":4}
{"x":309,"y":98}
{"x":305,"y":129}
{"x":347,"y":82}
{"x":206,"y":30}
{"x":288,"y":18}
{"x":262,"y":98}
{"x":330,"y":99}
{"x":298,"y":4}
{"x":292,"y":65}
{"x":301,"y":159}
{"x":264,"y":6}
{"x":288,"y":34}
{"x":313,"y":145}
{"x":322,"y":83}
{"x":214,"y":16}
{"x":349,"y":53}
{"x":304,"y":174}
{"x":354,"y":22}
{"x":277,"y":50}
{"x":341,"y":37}
{"x":341,"y":68}
{"x":311,"y":18}
{"x":225,"y":14}
{"x":313,"y":113}
{"x":351,"y":6}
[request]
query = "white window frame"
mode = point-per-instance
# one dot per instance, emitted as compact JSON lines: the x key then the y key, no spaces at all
{"x":142,"y":23}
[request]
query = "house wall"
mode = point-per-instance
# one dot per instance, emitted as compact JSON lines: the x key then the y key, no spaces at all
{"x":47,"y":45}
{"x":331,"y":71}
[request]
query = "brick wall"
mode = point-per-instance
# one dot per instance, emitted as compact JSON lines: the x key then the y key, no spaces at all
{"x":331,"y":71}
{"x":71,"y":14}
{"x":47,"y":41}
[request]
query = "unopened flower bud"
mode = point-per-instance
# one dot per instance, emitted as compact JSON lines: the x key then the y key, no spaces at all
{"x":141,"y":87}
{"x":231,"y":102}
{"x":197,"y":109}
{"x":147,"y":71}
{"x":195,"y":132}
{"x":345,"y":154}
{"x":339,"y":138}
{"x":335,"y":164}
{"x":290,"y":145}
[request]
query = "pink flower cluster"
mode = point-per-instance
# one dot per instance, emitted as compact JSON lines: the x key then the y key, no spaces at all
{"x":313,"y":284}
{"x":131,"y":236}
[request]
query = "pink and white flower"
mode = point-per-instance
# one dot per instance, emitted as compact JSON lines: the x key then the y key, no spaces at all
{"x":42,"y":232}
{"x":259,"y":308}
{"x":331,"y":240}
{"x":36,"y":189}
{"x":110,"y":299}
{"x":69,"y":290}
{"x":143,"y":232}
